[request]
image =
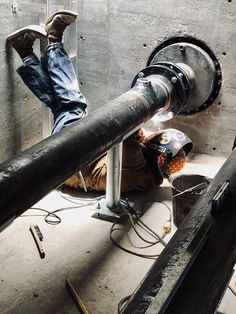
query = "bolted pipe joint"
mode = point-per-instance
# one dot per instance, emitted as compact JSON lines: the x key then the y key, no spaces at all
{"x":171,"y":84}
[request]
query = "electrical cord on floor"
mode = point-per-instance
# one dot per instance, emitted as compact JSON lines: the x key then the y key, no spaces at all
{"x":91,"y":201}
{"x":155,"y":235}
{"x":131,"y":242}
{"x":232,"y":290}
{"x":140,"y":223}
{"x":138,"y":234}
{"x":122,"y":303}
{"x":148,"y":256}
{"x":75,"y":199}
{"x":167,"y":225}
{"x":53,"y":219}
{"x":144,"y":227}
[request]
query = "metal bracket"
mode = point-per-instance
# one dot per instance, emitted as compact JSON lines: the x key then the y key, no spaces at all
{"x":104,"y":213}
{"x":219,"y":197}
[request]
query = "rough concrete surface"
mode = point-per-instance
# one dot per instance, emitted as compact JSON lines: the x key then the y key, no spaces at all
{"x":21,"y":114}
{"x":80,"y":248}
{"x":116,"y":39}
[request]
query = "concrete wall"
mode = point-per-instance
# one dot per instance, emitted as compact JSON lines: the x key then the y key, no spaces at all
{"x":116,"y":39}
{"x":20,"y":113}
{"x":24,"y":120}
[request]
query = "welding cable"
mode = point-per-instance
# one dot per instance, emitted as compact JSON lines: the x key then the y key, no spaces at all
{"x":138,"y":234}
{"x":52,"y":218}
{"x":152,"y":231}
{"x":148,"y":256}
{"x":130,"y":241}
{"x":150,"y":243}
{"x":141,"y":224}
{"x":123,"y":202}
{"x":154,"y":256}
{"x":160,"y":238}
{"x":153,"y":235}
{"x":168,"y":223}
{"x":125,"y":205}
{"x":56,"y":219}
{"x":122,"y":303}
{"x":203,"y":184}
{"x":64,"y":209}
{"x":149,"y":232}
{"x":75,"y":199}
{"x":232,"y":290}
{"x":53,"y":222}
{"x":163,"y":203}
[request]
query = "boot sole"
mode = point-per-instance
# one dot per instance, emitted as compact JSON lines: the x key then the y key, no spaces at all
{"x":37,"y":29}
{"x":65,"y":12}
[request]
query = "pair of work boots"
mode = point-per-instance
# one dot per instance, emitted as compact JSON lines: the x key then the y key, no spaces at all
{"x":23,"y":39}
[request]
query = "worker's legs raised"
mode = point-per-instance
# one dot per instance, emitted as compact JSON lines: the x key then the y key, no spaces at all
{"x":71,"y":104}
{"x":32,"y":72}
{"x":36,"y":78}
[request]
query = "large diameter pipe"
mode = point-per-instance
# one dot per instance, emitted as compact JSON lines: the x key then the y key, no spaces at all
{"x":28,"y":177}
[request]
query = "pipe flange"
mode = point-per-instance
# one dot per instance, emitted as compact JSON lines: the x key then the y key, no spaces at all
{"x":176,"y":76}
{"x":204,"y":65}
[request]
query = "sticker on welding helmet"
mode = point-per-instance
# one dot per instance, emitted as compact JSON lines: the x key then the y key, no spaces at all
{"x":165,"y":138}
{"x":179,"y":136}
{"x":177,"y":145}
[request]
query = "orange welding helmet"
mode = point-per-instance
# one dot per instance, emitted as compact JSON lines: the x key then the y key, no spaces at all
{"x":170,"y":147}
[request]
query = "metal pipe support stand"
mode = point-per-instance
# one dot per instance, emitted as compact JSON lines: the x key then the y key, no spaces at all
{"x":109,"y":208}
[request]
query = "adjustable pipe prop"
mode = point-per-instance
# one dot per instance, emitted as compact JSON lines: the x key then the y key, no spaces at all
{"x":193,"y":270}
{"x":113,"y":179}
{"x":28,"y":177}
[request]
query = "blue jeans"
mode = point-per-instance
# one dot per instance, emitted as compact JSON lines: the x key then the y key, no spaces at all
{"x":54,"y":82}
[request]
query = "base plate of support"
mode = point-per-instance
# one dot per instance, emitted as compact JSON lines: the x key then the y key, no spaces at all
{"x":102,"y":212}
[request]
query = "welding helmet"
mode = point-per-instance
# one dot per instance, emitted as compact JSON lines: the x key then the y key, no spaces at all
{"x":170,"y":146}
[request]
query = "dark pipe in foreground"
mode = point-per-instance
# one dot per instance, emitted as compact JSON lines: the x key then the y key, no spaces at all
{"x":192,"y":272}
{"x":25,"y":179}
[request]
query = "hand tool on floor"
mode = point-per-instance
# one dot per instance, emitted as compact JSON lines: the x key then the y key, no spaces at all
{"x":39,"y":233}
{"x":38,"y":237}
{"x":76,"y":297}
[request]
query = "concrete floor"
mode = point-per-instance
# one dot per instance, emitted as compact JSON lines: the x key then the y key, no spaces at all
{"x":79,"y":247}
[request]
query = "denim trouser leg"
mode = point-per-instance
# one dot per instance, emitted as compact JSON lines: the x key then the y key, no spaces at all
{"x":71,"y":104}
{"x":54,"y":82}
{"x":36,"y":78}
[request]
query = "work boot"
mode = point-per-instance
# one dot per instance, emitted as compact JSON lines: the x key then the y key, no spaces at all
{"x":57,"y":23}
{"x":23,"y":39}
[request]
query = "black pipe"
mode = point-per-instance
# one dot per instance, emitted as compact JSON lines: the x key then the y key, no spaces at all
{"x":192,"y":272}
{"x":25,"y":179}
